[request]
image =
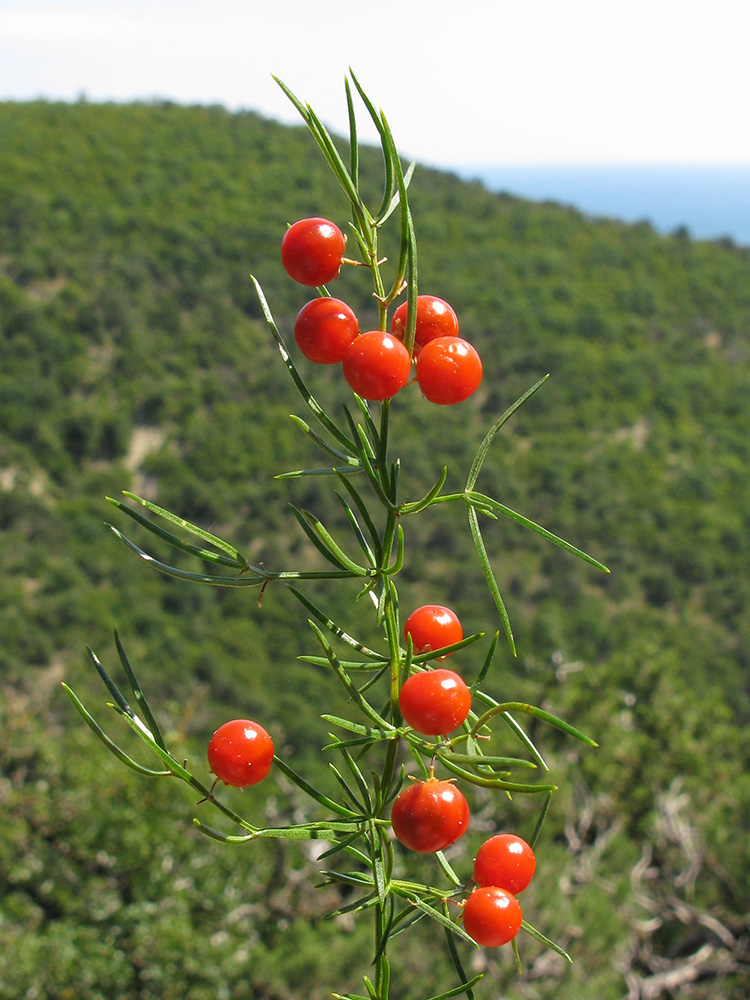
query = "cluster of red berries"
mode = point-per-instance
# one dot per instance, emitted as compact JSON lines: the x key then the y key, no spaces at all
{"x":427,"y":816}
{"x":376,"y":364}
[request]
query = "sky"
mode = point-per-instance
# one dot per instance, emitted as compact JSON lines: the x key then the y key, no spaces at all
{"x":464,"y":82}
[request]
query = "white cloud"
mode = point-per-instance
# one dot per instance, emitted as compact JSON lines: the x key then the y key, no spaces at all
{"x":507,"y":80}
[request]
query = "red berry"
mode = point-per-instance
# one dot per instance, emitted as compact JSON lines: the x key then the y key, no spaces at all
{"x":434,"y":702}
{"x":323,"y":330}
{"x":433,"y":626}
{"x":240,"y":753}
{"x":505,"y":860}
{"x":429,"y":816}
{"x":376,"y":365}
{"x":312,"y":251}
{"x":435,"y":318}
{"x":449,"y":370}
{"x":492,"y":916}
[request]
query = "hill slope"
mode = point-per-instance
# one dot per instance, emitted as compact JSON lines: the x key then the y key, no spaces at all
{"x":135,"y":356}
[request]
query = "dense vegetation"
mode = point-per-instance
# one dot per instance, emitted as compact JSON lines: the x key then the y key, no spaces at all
{"x":134,"y":356}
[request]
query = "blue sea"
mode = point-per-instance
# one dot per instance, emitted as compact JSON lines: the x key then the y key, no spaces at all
{"x":710,"y":201}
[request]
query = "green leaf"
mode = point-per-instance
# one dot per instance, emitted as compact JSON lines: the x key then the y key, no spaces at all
{"x":326,"y":470}
{"x":458,"y":990}
{"x":398,"y":561}
{"x":256,"y":579}
{"x":306,"y":787}
{"x":110,"y":684}
{"x":374,"y":678}
{"x":225,"y":838}
{"x":232,"y":558}
{"x":378,"y":871}
{"x":360,"y":436}
{"x":218,"y":581}
{"x":405,"y":919}
{"x":489,"y":576}
{"x":340,"y":456}
{"x":418,"y":759}
{"x":355,"y":665}
{"x":443,"y":651}
{"x":176,"y":769}
{"x":434,"y":914}
{"x":324,"y":830}
{"x":138,"y":694}
{"x":180,"y":522}
{"x":486,"y":665}
{"x":370,"y":429}
{"x":357,"y":531}
{"x":387,"y":160}
{"x":375,"y":479}
{"x":408,"y":237}
{"x":448,"y":871}
{"x":481,"y":759}
{"x":517,"y":730}
{"x":353,"y":144}
{"x":478,"y":462}
{"x":542,"y":815}
{"x":538,"y":713}
{"x":457,"y":965}
{"x":347,"y":789}
{"x":358,"y":741}
{"x":484,"y":502}
{"x":304,"y":392}
{"x":392,"y":206}
{"x":493,"y":782}
{"x":349,"y":878}
{"x":346,"y":682}
{"x":358,"y":776}
{"x":362,"y":903}
{"x":327,"y":147}
{"x":417,"y":505}
{"x":333,"y":157}
{"x":341,"y":845}
{"x":332,"y":627}
{"x":545,"y":940}
{"x":364,"y":513}
{"x":516,"y":954}
{"x":110,"y":744}
{"x":367,"y":734}
{"x":324,"y":542}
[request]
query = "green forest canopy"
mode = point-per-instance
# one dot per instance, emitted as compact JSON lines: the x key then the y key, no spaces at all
{"x":135,"y":357}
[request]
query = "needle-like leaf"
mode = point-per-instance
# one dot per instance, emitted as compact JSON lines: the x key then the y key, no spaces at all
{"x":110,"y":744}
{"x":476,"y":465}
{"x":489,"y":576}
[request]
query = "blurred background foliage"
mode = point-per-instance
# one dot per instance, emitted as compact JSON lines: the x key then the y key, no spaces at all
{"x":134,"y":356}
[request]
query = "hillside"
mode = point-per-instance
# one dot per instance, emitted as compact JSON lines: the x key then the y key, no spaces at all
{"x":135,"y":357}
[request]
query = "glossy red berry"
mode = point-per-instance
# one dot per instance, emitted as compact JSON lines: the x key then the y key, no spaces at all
{"x":429,"y":816}
{"x":449,"y":370}
{"x":435,"y":318}
{"x":323,"y":330}
{"x":505,"y":860}
{"x":376,"y":365}
{"x":240,"y":753}
{"x":312,"y":251}
{"x":492,"y":916}
{"x":434,"y":702}
{"x":433,"y":626}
